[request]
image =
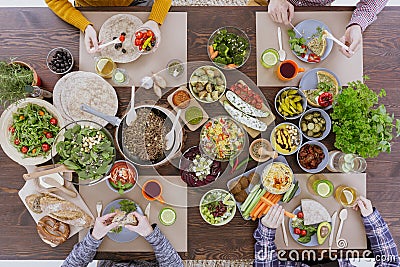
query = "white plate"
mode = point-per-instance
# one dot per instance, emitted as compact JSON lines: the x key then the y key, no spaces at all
{"x":228,"y":219}
{"x":6,"y":121}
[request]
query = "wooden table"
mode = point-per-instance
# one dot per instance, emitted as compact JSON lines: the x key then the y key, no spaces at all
{"x":29,"y":33}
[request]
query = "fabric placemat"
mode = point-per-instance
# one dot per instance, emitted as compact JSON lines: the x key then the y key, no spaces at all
{"x":353,"y":228}
{"x":347,"y":69}
{"x":173,"y":45}
{"x":173,"y":191}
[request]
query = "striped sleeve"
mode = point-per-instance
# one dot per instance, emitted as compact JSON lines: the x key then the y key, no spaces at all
{"x":160,"y":10}
{"x":83,"y":252}
{"x":68,"y":13}
{"x":165,"y":253}
{"x":366,"y":12}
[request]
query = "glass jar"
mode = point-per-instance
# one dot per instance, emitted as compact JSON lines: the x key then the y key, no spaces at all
{"x":347,"y":163}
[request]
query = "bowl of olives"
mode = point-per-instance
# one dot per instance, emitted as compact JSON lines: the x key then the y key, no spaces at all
{"x":60,"y":60}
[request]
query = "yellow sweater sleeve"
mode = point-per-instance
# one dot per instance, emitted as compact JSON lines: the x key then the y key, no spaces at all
{"x":68,"y":13}
{"x":160,"y":10}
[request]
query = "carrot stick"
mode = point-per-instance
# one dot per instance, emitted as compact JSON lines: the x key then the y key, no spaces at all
{"x":266,"y":210}
{"x":253,"y":211}
{"x":214,"y":55}
{"x":210,"y":49}
{"x":288,"y":214}
{"x":260,"y":209}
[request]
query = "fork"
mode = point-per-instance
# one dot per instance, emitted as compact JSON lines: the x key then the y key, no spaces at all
{"x":99,"y":207}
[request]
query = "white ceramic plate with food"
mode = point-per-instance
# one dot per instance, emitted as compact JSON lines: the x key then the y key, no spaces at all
{"x":6,"y":121}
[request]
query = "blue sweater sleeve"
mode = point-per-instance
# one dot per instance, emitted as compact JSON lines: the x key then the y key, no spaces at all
{"x":83,"y":252}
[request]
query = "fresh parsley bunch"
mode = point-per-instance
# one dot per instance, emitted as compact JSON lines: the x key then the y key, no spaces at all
{"x":361,"y":126}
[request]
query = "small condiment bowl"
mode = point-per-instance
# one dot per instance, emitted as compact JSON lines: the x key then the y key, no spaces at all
{"x":328,"y":124}
{"x":276,"y":147}
{"x":323,"y":163}
{"x":303,"y":103}
{"x":145,"y":52}
{"x":256,"y":145}
{"x":131,"y":167}
{"x":51,"y":56}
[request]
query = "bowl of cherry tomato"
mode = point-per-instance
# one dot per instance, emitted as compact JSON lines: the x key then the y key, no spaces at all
{"x":145,"y":41}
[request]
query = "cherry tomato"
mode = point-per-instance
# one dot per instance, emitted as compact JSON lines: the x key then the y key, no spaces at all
{"x":303,"y":233}
{"x":297,"y":231}
{"x":17,"y":142}
{"x":24,"y":149}
{"x":122,"y":38}
{"x":150,"y":33}
{"x":49,"y":135}
{"x":140,"y":48}
{"x":11,"y":129}
{"x":53,"y":121}
{"x":138,"y":42}
{"x":300,"y":215}
{"x":139,"y":35}
{"x":45,"y":147}
{"x":325,"y":99}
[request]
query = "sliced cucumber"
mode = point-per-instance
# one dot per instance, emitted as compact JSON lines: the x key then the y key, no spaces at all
{"x":291,"y":192}
{"x":251,"y":195}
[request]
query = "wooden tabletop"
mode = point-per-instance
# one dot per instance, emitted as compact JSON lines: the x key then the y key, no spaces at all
{"x":29,"y":33}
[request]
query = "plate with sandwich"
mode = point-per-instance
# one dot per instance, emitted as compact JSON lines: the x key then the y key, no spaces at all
{"x":311,"y":46}
{"x":320,"y":86}
{"x":123,"y":209}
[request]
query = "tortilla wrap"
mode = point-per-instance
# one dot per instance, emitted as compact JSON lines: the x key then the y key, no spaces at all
{"x":314,"y":212}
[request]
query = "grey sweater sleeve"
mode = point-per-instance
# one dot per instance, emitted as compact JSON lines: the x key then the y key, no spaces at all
{"x":83,"y":252}
{"x":165,"y":253}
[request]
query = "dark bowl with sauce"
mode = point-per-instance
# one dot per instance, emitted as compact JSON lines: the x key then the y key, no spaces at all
{"x":125,"y":172}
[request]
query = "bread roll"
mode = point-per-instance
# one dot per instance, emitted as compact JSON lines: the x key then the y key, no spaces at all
{"x":58,"y":208}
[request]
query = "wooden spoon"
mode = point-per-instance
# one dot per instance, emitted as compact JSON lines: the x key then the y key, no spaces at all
{"x":49,"y":180}
{"x":263,"y":152}
{"x":33,"y":175}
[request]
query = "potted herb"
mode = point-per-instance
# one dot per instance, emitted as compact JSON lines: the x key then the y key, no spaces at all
{"x":361,"y":125}
{"x":16,"y":80}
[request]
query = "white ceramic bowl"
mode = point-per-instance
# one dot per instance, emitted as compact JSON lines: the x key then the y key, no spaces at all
{"x":303,"y":103}
{"x":228,"y":219}
{"x":323,"y":163}
{"x":6,"y":121}
{"x":328,"y":124}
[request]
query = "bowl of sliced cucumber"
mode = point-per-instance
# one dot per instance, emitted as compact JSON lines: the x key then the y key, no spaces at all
{"x":315,"y":124}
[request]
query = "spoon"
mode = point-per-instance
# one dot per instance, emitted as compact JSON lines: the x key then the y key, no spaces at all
{"x":342,"y":217}
{"x":170,"y":137}
{"x":131,"y":116}
{"x":281,"y":52}
{"x":50,"y":181}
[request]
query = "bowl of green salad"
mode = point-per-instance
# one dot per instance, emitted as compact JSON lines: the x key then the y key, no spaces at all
{"x":228,"y":47}
{"x":88,"y":149}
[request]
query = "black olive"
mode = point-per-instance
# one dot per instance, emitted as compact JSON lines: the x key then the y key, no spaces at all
{"x":148,"y":48}
{"x":123,"y":34}
{"x":123,"y":50}
{"x":114,"y":38}
{"x":153,"y":43}
{"x":116,"y":46}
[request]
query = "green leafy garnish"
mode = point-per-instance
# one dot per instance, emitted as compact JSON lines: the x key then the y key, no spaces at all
{"x":297,"y":44}
{"x":362,"y":127}
{"x":87,"y":151}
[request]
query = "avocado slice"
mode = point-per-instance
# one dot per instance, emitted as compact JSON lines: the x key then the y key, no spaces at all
{"x":323,"y":231}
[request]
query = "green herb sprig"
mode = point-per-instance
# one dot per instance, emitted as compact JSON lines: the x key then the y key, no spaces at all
{"x":361,"y":126}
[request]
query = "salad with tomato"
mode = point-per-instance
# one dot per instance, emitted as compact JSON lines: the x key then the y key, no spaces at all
{"x":145,"y":40}
{"x":221,"y":138}
{"x":33,"y":130}
{"x":303,"y":232}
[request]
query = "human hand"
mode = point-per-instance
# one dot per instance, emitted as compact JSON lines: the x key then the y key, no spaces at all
{"x":143,"y":228}
{"x":281,"y":11}
{"x":352,"y":38}
{"x":91,"y":42}
{"x":274,"y":217}
{"x":101,"y":228}
{"x":155,"y":28}
{"x":365,"y":206}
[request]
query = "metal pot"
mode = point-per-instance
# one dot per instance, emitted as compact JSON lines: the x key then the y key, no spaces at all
{"x":119,"y":133}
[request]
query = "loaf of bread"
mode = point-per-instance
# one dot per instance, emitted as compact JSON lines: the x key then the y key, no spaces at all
{"x":58,"y":208}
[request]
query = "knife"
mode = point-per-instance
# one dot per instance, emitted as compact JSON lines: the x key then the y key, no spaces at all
{"x":284,"y":233}
{"x":147,"y":211}
{"x":333,"y":219}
